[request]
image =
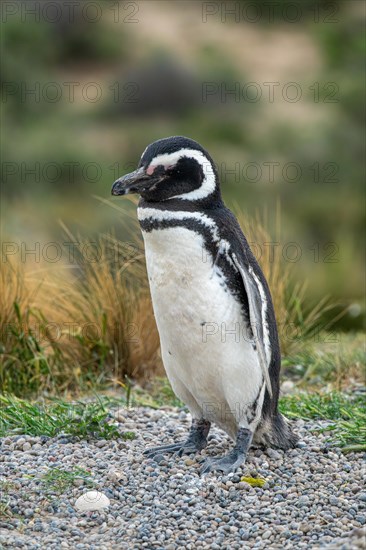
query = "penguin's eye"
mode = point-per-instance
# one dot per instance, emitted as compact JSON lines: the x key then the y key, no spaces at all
{"x":159,"y":170}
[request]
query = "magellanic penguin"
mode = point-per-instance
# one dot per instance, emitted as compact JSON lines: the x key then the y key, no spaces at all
{"x":212,"y":305}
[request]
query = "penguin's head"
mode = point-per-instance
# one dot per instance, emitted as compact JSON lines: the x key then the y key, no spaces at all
{"x":172,"y":168}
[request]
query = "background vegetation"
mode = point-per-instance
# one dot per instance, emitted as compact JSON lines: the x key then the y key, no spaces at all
{"x":75,"y":311}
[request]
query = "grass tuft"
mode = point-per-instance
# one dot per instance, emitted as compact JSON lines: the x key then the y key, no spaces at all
{"x":336,"y":361}
{"x":58,"y":481}
{"x":5,"y":488}
{"x":347,"y":412}
{"x":63,"y":331}
{"x":91,"y":419}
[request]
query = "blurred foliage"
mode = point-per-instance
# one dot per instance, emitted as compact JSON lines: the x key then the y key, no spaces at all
{"x":167,"y":74}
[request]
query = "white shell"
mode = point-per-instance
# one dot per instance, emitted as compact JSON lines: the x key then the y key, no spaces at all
{"x":91,"y":501}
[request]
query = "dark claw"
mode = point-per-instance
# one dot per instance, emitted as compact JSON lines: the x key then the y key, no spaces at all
{"x":180,"y":449}
{"x":226,"y":464}
{"x":206,"y":467}
{"x":163,"y":449}
{"x":187,"y":450}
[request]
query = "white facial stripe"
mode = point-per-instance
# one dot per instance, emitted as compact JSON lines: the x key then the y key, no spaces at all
{"x":209,"y":181}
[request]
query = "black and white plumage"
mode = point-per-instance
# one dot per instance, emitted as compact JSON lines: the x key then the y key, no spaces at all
{"x":211,"y":301}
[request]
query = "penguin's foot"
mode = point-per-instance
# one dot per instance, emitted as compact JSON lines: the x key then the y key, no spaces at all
{"x":233,"y":460}
{"x":196,"y":441}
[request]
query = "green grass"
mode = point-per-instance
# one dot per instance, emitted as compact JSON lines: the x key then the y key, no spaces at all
{"x":19,"y":416}
{"x":58,"y":481}
{"x":24,"y":361}
{"x":347,"y":413}
{"x":5,"y":488}
{"x":335,"y":359}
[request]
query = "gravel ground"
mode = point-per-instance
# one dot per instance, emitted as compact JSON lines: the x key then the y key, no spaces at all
{"x":313,"y":498}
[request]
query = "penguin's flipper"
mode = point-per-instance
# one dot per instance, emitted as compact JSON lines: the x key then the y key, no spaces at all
{"x":255,"y":315}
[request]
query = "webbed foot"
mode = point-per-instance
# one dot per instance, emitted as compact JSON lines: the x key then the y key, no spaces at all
{"x":232,"y":461}
{"x":196,"y":441}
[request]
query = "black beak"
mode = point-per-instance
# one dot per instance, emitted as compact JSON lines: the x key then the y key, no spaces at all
{"x":135,"y":182}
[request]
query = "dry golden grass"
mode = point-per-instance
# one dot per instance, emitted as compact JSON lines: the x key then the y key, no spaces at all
{"x":62,"y":331}
{"x":297,"y":320}
{"x":24,"y":362}
{"x":110,"y":307}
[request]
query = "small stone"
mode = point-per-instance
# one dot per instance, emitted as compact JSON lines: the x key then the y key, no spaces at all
{"x":26,"y":446}
{"x":78,"y":482}
{"x":92,"y":501}
{"x":101,"y":443}
{"x":158,"y":458}
{"x":275,"y":455}
{"x":116,"y":476}
{"x":303,"y":501}
{"x":244,"y":485}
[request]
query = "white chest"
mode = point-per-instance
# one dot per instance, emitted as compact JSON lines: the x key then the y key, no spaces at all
{"x":186,"y":289}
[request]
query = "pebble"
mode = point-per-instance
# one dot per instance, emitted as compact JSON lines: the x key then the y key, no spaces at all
{"x":308,"y":501}
{"x":117,"y":476}
{"x":304,"y":501}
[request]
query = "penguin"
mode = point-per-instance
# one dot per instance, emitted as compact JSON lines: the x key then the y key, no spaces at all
{"x":213,"y":308}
